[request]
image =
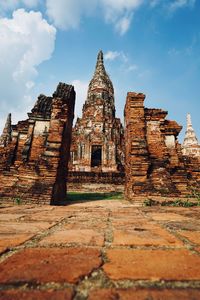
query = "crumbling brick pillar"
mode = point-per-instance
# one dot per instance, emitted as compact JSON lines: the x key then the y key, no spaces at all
{"x":59,"y":139}
{"x":158,"y":151}
{"x":35,"y":164}
{"x":136,"y":153}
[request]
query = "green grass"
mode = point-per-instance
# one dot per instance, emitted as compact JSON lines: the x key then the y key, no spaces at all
{"x":78,"y":196}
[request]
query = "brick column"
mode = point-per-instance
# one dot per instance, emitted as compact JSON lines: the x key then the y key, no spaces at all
{"x":136,"y":153}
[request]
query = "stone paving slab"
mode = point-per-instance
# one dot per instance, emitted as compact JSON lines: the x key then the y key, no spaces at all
{"x":192,"y":236}
{"x":13,"y":240}
{"x":151,"y":264}
{"x":9,"y":217}
{"x":145,"y":237}
{"x":66,"y":294}
{"x":49,"y":265}
{"x":75,"y":236}
{"x":99,"y":250}
{"x":24,"y":227}
{"x":145,"y":294}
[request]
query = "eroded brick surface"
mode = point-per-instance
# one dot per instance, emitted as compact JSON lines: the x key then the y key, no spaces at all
{"x":36,"y":295}
{"x":193,"y":237}
{"x":52,"y":265}
{"x":79,"y":236}
{"x":12,"y":240}
{"x":142,"y":294}
{"x":86,"y":249}
{"x":152,"y":264}
{"x":141,"y":235}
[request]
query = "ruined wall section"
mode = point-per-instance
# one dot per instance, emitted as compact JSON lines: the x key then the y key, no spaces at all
{"x":39,"y":149}
{"x":154,"y":161}
{"x":136,"y":152}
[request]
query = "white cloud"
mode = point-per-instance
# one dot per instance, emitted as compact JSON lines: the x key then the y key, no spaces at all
{"x":120,"y":12}
{"x":111,"y":55}
{"x":119,"y":7}
{"x":123,"y":24}
{"x":67,"y":14}
{"x":154,"y":3}
{"x":81,"y":88}
{"x":30,"y":3}
{"x":26,"y":40}
{"x":181,"y":3}
{"x":132,"y":68}
{"x":6,"y":5}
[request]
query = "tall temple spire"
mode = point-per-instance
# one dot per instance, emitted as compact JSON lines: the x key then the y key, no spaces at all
{"x":5,"y":138}
{"x":190,"y":136}
{"x":99,"y":59}
{"x":97,"y":138}
{"x":190,"y":145}
{"x":100,"y":80}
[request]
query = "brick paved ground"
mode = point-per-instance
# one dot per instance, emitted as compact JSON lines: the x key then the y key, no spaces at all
{"x":99,"y":250}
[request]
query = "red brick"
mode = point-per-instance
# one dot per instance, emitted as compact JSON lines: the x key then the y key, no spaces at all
{"x":145,"y":294}
{"x":197,"y":249}
{"x":167,"y":216}
{"x":13,"y":240}
{"x":24,"y":227}
{"x":8,"y":217}
{"x":152,"y":264}
{"x":124,"y":222}
{"x":47,"y":217}
{"x":86,"y":223}
{"x":3,"y":249}
{"x":192,"y":236}
{"x":36,"y":295}
{"x":142,"y":235}
{"x":49,"y":265}
{"x":80,"y":236}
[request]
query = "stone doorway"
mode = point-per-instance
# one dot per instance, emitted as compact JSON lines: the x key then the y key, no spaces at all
{"x":96,"y":156}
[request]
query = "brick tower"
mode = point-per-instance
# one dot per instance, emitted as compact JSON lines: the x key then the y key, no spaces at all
{"x":97,"y":139}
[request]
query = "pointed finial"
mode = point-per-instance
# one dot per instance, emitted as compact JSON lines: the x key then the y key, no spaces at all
{"x":189,"y":120}
{"x":100,"y":56}
{"x":100,"y":78}
{"x":100,"y":63}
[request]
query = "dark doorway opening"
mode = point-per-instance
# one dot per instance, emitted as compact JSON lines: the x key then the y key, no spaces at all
{"x":96,"y":156}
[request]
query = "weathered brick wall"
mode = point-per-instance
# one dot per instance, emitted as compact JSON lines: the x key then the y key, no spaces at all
{"x":33,"y":167}
{"x":136,"y":153}
{"x":154,"y":161}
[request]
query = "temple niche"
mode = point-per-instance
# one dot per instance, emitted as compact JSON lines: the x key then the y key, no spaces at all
{"x":98,"y":137}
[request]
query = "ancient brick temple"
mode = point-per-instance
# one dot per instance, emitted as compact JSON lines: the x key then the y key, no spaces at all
{"x":33,"y":152}
{"x":98,"y":137}
{"x":155,"y":164}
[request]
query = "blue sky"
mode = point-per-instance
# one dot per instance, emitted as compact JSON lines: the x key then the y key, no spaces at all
{"x":150,"y":46}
